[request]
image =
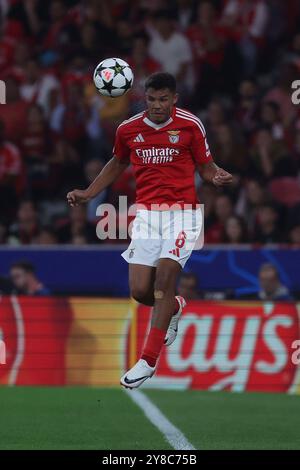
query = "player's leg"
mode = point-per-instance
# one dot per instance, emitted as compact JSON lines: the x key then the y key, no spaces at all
{"x":142,"y":256}
{"x":185,"y":234}
{"x":168,"y":255}
{"x":164,"y":303}
{"x":141,"y":283}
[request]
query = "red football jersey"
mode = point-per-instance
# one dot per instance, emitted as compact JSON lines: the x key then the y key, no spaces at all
{"x":164,"y":156}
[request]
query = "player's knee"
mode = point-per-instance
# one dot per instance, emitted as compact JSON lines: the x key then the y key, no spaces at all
{"x":158,"y":294}
{"x":139,"y":293}
{"x":162,"y":286}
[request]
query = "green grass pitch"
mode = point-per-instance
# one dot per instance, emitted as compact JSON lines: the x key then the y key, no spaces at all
{"x":107,"y":419}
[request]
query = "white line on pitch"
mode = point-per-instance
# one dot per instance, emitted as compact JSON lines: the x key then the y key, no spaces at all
{"x":172,"y":434}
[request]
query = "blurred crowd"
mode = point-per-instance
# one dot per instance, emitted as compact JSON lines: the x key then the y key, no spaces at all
{"x":235,"y":62}
{"x":269,"y":288}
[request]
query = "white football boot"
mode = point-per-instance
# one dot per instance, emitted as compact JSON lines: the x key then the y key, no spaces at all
{"x":173,"y":327}
{"x":140,"y":372}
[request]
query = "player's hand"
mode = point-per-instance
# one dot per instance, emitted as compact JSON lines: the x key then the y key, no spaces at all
{"x":222,"y":178}
{"x":77,"y":197}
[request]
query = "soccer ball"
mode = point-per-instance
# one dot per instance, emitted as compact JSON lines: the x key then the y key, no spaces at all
{"x":113,"y":77}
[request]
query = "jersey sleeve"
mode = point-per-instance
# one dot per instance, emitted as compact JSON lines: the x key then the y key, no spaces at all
{"x":121,"y":150}
{"x":200,"y":148}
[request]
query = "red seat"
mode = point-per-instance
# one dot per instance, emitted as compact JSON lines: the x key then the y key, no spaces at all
{"x":285,"y":190}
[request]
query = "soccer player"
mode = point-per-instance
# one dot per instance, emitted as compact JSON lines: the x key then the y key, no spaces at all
{"x":165,"y":145}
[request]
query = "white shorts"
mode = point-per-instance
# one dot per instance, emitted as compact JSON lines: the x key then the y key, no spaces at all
{"x":164,"y":234}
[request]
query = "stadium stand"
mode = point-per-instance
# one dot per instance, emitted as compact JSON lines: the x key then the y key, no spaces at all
{"x":234,"y":72}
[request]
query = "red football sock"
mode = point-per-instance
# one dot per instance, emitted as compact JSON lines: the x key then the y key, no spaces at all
{"x":154,"y":343}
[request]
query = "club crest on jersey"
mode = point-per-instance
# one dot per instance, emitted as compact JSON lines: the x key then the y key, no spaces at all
{"x":173,"y":136}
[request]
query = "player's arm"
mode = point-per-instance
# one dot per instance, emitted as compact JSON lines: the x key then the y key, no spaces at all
{"x":211,"y":173}
{"x":112,"y":170}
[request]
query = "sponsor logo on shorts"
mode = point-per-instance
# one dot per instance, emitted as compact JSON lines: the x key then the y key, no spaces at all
{"x":175,"y":252}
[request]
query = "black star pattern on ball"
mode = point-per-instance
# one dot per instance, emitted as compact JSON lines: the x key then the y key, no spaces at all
{"x":118,"y":68}
{"x":127,"y":84}
{"x":108,"y":86}
{"x":100,"y":68}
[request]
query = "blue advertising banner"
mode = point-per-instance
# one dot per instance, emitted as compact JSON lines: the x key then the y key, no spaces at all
{"x":102,"y":270}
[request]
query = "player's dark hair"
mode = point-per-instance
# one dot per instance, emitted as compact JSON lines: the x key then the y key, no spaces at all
{"x":160,"y":80}
{"x":25,"y":265}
